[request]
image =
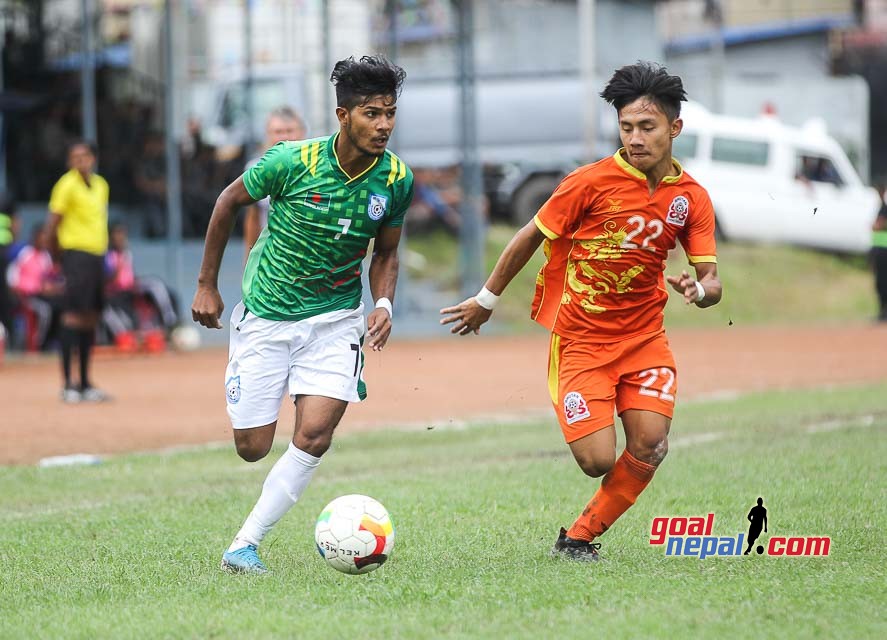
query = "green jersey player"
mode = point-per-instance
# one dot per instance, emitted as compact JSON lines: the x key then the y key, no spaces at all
{"x":300,"y":326}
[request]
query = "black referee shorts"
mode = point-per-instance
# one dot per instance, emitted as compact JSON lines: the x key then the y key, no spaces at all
{"x":84,"y":281}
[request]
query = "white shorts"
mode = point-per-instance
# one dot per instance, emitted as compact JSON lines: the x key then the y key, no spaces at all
{"x":319,"y":356}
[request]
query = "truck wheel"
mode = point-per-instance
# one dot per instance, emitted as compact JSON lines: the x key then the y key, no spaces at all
{"x":532,"y":195}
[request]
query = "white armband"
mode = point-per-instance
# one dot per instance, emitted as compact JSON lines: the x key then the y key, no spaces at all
{"x":487,"y":299}
{"x":700,"y":292}
{"x":385,"y":303}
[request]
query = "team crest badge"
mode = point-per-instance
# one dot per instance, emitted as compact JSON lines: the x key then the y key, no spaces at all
{"x":232,"y":389}
{"x":678,"y":211}
{"x":575,"y":407}
{"x":377,"y":206}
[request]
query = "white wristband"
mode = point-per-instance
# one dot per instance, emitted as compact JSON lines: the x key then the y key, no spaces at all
{"x":385,"y":303}
{"x":700,"y":291}
{"x":487,"y":299}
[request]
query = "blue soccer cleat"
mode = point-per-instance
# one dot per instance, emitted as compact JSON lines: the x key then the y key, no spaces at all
{"x":243,"y":560}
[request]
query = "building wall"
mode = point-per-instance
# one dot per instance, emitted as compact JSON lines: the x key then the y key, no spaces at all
{"x":679,"y":18}
{"x":805,"y":56}
{"x":527,"y":37}
{"x":751,"y":12}
{"x":876,"y":15}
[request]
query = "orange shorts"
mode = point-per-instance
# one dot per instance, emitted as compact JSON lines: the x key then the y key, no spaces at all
{"x":587,"y":380}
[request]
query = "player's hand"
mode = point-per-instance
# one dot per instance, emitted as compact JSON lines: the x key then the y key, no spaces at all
{"x":467,"y":315}
{"x":207,"y":307}
{"x":378,"y":328}
{"x":684,"y":285}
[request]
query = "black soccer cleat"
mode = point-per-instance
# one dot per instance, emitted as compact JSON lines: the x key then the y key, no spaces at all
{"x":580,"y":550}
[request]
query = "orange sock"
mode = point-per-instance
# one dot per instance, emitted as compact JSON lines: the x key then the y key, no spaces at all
{"x":619,"y":490}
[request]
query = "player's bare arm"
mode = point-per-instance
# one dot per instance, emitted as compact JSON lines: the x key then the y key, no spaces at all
{"x":207,"y":307}
{"x":707,"y":277}
{"x":469,"y":315}
{"x":383,"y":280}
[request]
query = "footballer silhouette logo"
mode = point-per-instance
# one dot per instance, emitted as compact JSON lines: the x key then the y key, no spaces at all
{"x":757,"y":519}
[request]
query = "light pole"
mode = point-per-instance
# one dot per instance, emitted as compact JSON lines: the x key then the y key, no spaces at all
{"x":173,"y":175}
{"x":587,"y":43}
{"x":471,"y":230}
{"x":87,"y":72}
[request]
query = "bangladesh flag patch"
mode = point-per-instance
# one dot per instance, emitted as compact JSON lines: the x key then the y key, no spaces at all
{"x":318,"y":201}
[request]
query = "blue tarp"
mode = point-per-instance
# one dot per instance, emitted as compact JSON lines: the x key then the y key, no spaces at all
{"x":115,"y":55}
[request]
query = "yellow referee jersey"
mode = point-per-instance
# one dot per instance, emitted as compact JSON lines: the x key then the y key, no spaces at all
{"x":84,"y":212}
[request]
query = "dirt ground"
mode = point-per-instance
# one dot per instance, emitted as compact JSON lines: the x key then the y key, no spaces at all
{"x":179,"y":398}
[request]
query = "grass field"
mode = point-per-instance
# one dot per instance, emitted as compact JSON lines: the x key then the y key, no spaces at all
{"x":130,"y":548}
{"x":762,"y":284}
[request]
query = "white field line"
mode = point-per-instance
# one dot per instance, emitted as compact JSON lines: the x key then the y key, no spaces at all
{"x":860,"y":422}
{"x":853,"y":422}
{"x":681,"y":442}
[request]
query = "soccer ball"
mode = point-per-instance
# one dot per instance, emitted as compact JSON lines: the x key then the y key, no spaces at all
{"x":354,"y":534}
{"x":185,"y":338}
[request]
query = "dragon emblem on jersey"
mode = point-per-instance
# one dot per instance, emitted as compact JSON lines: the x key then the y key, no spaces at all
{"x":587,"y":281}
{"x":678,"y":211}
{"x":232,"y":389}
{"x":377,"y":206}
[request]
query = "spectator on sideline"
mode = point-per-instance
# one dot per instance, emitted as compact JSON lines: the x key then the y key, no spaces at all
{"x":78,"y":234}
{"x":134,"y":303}
{"x":36,"y":285}
{"x":282,"y":124}
{"x":7,"y":237}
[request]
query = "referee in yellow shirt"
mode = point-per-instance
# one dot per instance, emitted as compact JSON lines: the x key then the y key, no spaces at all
{"x":78,"y":228}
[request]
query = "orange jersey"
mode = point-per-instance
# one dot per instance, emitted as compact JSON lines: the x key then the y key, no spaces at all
{"x":607,"y":242}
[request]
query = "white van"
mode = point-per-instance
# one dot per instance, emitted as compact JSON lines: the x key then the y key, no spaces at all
{"x":770,"y":182}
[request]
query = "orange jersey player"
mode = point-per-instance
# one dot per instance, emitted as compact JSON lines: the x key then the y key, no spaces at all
{"x":607,"y":231}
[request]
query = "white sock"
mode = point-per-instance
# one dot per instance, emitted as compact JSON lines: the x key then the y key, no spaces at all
{"x":285,"y":483}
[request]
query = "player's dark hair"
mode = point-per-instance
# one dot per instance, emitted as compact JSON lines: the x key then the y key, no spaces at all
{"x":93,"y":149}
{"x":358,"y":81}
{"x":646,"y":79}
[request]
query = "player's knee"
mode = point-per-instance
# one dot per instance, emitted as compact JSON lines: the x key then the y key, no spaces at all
{"x":660,"y":451}
{"x":252,"y":451}
{"x":254,"y":444}
{"x":315,"y":444}
{"x":596,"y":466}
{"x":651,"y":452}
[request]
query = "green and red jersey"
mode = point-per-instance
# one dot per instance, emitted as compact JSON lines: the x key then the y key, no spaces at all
{"x":309,"y":258}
